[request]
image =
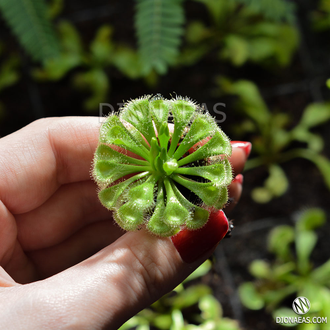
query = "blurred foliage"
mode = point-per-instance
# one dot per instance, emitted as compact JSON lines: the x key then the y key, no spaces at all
{"x":159,"y":27}
{"x":170,"y":312}
{"x":272,"y":138}
{"x":239,"y":34}
{"x":292,"y":274}
{"x":238,"y":30}
{"x":321,"y":16}
{"x":9,"y":73}
{"x":29,"y":22}
{"x":93,"y":62}
{"x":276,"y":10}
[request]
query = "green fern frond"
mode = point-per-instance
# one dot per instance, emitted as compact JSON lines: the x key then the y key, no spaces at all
{"x":276,"y":10}
{"x":28,"y":21}
{"x":159,"y":26}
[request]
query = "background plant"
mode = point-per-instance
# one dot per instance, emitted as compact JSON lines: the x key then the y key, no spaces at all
{"x":240,"y":34}
{"x":256,"y":33}
{"x":273,"y":139}
{"x":170,"y":312}
{"x":291,"y":274}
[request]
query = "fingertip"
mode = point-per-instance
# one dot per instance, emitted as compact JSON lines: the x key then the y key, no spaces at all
{"x":240,"y":153}
{"x":234,"y":192}
{"x":193,"y":244}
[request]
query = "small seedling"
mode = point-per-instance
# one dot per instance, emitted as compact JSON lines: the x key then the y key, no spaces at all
{"x":292,"y":274}
{"x":164,"y":180}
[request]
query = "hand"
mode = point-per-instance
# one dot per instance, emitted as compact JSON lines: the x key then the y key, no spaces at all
{"x":64,"y":262}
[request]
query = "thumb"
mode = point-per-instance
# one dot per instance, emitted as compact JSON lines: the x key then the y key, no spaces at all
{"x":122,"y":279}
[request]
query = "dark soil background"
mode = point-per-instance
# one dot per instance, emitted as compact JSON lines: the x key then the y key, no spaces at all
{"x":289,"y":89}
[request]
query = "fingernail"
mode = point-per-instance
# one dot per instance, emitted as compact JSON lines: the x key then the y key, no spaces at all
{"x":238,"y":178}
{"x":192,"y":244}
{"x":244,"y":145}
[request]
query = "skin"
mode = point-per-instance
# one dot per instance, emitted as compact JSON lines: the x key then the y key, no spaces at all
{"x":64,"y":262}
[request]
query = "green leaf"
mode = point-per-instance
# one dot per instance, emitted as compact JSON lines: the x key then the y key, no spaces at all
{"x":198,"y":215}
{"x":323,"y":165}
{"x":109,"y":196}
{"x":218,"y":9}
{"x":130,"y":324}
{"x":101,"y":47}
{"x":177,"y":320}
{"x":313,"y":291}
{"x":314,"y":141}
{"x":284,"y":270}
{"x":305,"y":243}
{"x":97,"y":83}
{"x":55,"y":7}
{"x":261,"y":195}
{"x":260,"y":269}
{"x":249,"y":296}
{"x":202,"y":270}
{"x":208,"y":192}
{"x":279,"y":241}
{"x":190,"y":296}
{"x":202,"y":127}
{"x":109,"y":171}
{"x":210,"y":307}
{"x":275,"y":185}
{"x":219,"y":144}
{"x":140,"y":200}
{"x":159,"y":26}
{"x":196,"y":32}
{"x":162,"y":321}
{"x":142,"y":196}
{"x":70,"y":39}
{"x":277,"y":182}
{"x":127,"y":61}
{"x":29,"y":22}
{"x":138,"y":114}
{"x":114,"y":132}
{"x":315,"y":114}
{"x":276,"y":10}
{"x":104,"y":152}
{"x":311,"y":219}
{"x":156,"y":223}
{"x":160,"y":111}
{"x":220,"y":173}
{"x":236,"y":49}
{"x":322,"y":274}
{"x":70,"y":57}
{"x":182,"y":110}
{"x":175,"y":213}
{"x":251,"y":100}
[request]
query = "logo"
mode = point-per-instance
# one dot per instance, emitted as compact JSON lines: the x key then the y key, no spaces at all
{"x":301,"y":305}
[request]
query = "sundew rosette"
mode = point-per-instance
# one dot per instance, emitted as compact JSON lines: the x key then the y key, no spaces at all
{"x":149,"y":176}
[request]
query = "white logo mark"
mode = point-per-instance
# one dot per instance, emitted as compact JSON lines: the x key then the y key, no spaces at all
{"x":301,"y":305}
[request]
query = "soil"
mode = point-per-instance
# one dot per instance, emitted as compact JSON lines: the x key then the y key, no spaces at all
{"x":289,"y":89}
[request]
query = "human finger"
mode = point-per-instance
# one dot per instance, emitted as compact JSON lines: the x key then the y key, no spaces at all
{"x":234,"y":193}
{"x":240,"y":153}
{"x":39,"y":158}
{"x":69,"y":209}
{"x":78,"y":247}
{"x":120,"y":280}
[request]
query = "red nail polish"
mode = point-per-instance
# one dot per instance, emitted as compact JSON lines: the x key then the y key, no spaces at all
{"x":238,"y":178}
{"x":192,"y":244}
{"x":246,"y":146}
